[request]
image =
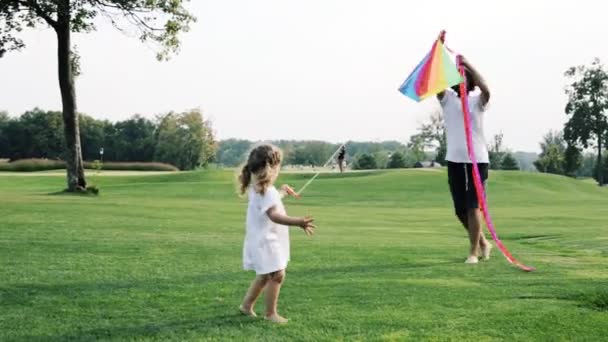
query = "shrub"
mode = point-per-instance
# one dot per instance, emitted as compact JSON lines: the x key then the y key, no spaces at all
{"x":31,"y":165}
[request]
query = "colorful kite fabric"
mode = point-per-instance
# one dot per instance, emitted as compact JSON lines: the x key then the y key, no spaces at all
{"x":435,"y":73}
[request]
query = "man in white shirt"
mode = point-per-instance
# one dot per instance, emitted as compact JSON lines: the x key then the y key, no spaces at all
{"x":460,"y":170}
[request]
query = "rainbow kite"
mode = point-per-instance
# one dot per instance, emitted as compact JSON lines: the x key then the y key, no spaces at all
{"x":433,"y":75}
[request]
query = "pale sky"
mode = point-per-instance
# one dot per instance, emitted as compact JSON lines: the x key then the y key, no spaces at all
{"x":324,"y":69}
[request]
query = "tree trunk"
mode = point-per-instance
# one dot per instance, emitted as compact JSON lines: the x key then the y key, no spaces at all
{"x":73,"y":157}
{"x":600,"y":164}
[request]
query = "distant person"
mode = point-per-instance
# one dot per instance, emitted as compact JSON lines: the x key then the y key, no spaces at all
{"x":341,"y":156}
{"x":266,"y":248}
{"x":460,"y":168}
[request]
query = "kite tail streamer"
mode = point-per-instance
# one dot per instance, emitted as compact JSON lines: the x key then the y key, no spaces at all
{"x":481,"y":196}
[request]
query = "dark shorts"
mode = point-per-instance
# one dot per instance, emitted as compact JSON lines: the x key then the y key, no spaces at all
{"x":462,"y":187}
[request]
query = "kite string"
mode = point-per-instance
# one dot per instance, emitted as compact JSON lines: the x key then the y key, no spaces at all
{"x":318,"y":173}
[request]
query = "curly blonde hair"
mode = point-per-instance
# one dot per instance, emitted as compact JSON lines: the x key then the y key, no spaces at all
{"x":260,"y":165}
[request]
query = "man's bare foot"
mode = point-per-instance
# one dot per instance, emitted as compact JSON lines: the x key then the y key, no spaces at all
{"x":485,"y":251}
{"x":276,"y":319}
{"x":472,"y":259}
{"x":247,"y":312}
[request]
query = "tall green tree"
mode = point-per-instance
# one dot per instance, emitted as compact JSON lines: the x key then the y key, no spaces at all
{"x":232,"y":152}
{"x":42,"y":134}
{"x":602,"y":168}
{"x":416,"y":147}
{"x":396,"y":161}
{"x":382,"y":159}
{"x":156,"y":21}
{"x":184,"y":140}
{"x":137,"y":135}
{"x":93,"y":138}
{"x":573,"y":160}
{"x":587,"y":108}
{"x":312,"y":153}
{"x":433,"y":133}
{"x":4,"y":138}
{"x":35,"y":134}
{"x":496,"y":152}
{"x":551,"y":158}
{"x":365,"y":162}
{"x":509,"y":162}
{"x":588,"y":165}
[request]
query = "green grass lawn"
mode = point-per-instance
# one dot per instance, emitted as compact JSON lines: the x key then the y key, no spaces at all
{"x":158,"y":257}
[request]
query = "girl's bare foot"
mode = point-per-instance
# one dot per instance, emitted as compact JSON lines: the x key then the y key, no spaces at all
{"x":276,"y":319}
{"x":247,"y":312}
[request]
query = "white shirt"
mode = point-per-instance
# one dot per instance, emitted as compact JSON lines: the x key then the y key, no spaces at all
{"x":266,"y":247}
{"x":454,"y":126}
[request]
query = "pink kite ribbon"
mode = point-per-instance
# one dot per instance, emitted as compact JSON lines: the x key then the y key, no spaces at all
{"x":481,"y":196}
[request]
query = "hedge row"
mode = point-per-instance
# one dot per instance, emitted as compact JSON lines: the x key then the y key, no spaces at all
{"x":31,"y":165}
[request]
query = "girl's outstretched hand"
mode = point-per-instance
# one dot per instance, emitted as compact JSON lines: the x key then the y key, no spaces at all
{"x":289,"y":191}
{"x":306,"y":224}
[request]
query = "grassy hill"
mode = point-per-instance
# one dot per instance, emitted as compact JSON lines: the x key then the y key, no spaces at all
{"x":158,"y":257}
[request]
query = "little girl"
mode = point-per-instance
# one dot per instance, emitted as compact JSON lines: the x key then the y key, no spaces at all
{"x":266,"y":249}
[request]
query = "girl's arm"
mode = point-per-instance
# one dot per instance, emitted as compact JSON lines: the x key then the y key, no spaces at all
{"x":287,"y":190}
{"x":302,"y":222}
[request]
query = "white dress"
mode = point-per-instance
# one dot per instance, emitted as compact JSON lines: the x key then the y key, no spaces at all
{"x":266,"y":247}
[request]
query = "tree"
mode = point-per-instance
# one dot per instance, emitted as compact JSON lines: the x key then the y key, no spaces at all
{"x":434,"y":135}
{"x":587,"y":108}
{"x":442,"y":151}
{"x":365,"y":162}
{"x":184,"y":140}
{"x":551,"y":162}
{"x":509,"y":162}
{"x":210,"y":145}
{"x":232,"y":152}
{"x":588,"y":166}
{"x":5,"y":121}
{"x":573,"y":160}
{"x":551,"y":158}
{"x":396,"y":161}
{"x":35,"y":134}
{"x":137,"y":136}
{"x":156,"y":21}
{"x":93,"y":137}
{"x":496,"y":152}
{"x":416,"y":148}
{"x":42,"y":134}
{"x":601,"y":168}
{"x":526,"y":160}
{"x":311,"y":152}
{"x":553,"y":138}
{"x":381,"y":159}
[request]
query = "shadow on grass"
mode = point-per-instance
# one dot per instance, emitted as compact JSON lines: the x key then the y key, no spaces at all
{"x":26,"y":294}
{"x":214,"y":316}
{"x":89,"y":192}
{"x":366,"y":269}
{"x":150,"y":330}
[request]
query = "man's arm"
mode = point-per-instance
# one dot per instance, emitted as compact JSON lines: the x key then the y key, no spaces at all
{"x":479,"y":81}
